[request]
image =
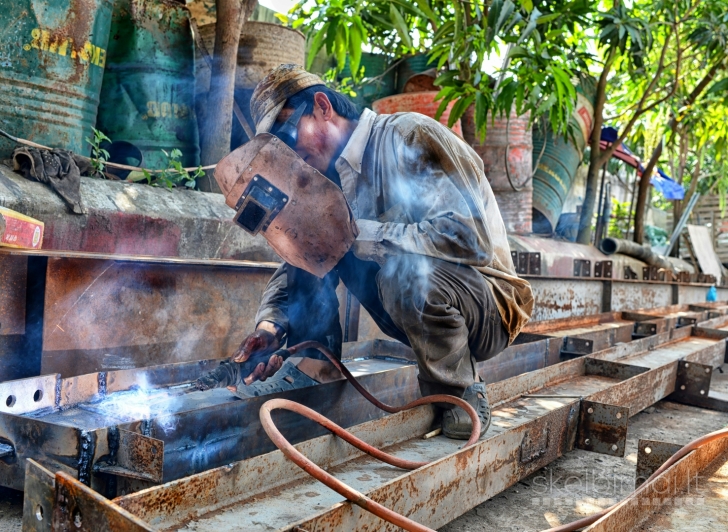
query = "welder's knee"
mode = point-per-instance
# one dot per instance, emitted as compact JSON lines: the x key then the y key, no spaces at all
{"x":405,"y":284}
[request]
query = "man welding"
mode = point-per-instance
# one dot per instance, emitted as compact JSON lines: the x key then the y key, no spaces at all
{"x":430,"y":263}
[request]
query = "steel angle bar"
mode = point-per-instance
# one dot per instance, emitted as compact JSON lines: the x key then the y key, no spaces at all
{"x":38,"y":500}
{"x":651,"y":454}
{"x":132,"y":455}
{"x":675,"y":493}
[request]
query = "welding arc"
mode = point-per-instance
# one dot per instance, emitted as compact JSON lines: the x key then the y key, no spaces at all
{"x":329,"y":480}
{"x":690,"y":447}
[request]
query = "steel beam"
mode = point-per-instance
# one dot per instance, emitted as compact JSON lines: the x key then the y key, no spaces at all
{"x":535,"y":420}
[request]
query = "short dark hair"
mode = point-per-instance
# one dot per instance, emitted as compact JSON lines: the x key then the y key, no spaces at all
{"x":341,"y":104}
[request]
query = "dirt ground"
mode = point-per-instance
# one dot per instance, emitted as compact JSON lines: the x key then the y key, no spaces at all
{"x":571,"y":487}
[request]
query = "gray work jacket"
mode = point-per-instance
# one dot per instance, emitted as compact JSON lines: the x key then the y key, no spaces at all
{"x":415,"y":187}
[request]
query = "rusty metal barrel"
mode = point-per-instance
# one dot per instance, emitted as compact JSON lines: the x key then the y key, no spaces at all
{"x":147,"y":97}
{"x":556,"y":159}
{"x":506,"y":153}
{"x":263,"y":46}
{"x":52,"y":57}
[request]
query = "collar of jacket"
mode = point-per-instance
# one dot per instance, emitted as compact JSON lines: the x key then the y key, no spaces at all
{"x":353,"y":152}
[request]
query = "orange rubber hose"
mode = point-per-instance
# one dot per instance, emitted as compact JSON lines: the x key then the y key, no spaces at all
{"x":690,"y":447}
{"x":329,"y":480}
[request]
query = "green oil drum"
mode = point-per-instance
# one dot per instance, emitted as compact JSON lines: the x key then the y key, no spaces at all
{"x":52,"y":56}
{"x":556,"y":159}
{"x":148,"y":97}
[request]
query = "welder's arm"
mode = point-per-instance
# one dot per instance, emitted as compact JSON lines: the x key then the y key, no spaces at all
{"x":437,"y":187}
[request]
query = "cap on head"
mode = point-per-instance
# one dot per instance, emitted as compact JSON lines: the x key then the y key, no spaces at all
{"x":272,"y":91}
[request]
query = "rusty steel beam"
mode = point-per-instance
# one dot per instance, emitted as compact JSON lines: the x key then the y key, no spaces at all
{"x":535,"y":420}
{"x":676,"y":496}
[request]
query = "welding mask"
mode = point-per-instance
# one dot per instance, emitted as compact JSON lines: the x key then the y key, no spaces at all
{"x":302,"y":214}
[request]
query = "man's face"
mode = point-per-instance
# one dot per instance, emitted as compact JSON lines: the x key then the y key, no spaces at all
{"x":318,"y":134}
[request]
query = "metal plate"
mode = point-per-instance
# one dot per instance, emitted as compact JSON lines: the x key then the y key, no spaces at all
{"x":651,"y":454}
{"x":602,"y":428}
{"x":693,"y":379}
{"x":132,"y":455}
{"x":40,"y":489}
{"x":27,"y":395}
{"x":612,"y":370}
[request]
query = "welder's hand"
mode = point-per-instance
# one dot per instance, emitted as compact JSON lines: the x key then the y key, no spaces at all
{"x":261,"y":342}
{"x":263,"y":371}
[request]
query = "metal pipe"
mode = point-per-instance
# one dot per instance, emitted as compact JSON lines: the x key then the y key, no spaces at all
{"x":681,"y":224}
{"x":610,"y":246}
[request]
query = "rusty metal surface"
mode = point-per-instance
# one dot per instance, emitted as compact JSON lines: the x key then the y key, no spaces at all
{"x":38,"y":499}
{"x":534,"y":420}
{"x":13,"y":276}
{"x":79,"y":508}
{"x":693,"y":379}
{"x":651,"y":454}
{"x":672,"y":502}
{"x":132,"y":455}
{"x":107,"y":315}
{"x":602,"y":428}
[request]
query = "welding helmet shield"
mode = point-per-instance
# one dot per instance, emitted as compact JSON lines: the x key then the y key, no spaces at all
{"x":302,"y":214}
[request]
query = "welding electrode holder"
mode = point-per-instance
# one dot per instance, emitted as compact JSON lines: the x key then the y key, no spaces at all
{"x":230,"y":373}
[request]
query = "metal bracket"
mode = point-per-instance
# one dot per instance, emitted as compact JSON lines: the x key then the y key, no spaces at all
{"x":132,"y":455}
{"x":643,"y":330}
{"x":79,"y":508}
{"x":684,"y":321}
{"x":533,"y":450}
{"x":527,"y":263}
{"x":651,"y":454}
{"x":602,"y":428}
{"x":683,"y":277}
{"x":40,"y":489}
{"x":611,"y":370}
{"x":576,"y":347}
{"x":603,"y":269}
{"x":582,"y":268}
{"x":693,"y":380}
{"x":629,"y":273}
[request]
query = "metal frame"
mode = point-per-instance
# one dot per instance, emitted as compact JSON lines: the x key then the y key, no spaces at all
{"x":535,"y":419}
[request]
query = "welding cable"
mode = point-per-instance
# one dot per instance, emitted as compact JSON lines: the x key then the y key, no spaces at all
{"x":690,"y":447}
{"x":329,"y":480}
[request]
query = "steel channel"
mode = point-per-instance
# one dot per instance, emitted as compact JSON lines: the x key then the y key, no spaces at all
{"x":657,"y":495}
{"x":439,"y":492}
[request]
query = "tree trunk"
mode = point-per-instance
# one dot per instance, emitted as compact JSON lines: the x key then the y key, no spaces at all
{"x":595,"y":162}
{"x":644,"y":185}
{"x":217,"y":126}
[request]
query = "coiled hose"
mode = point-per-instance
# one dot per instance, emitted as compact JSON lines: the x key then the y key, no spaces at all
{"x":332,"y":482}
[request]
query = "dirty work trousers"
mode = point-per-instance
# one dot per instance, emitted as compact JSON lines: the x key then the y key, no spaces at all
{"x":445,"y":311}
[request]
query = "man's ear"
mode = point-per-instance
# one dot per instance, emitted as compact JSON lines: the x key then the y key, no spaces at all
{"x":324,"y":104}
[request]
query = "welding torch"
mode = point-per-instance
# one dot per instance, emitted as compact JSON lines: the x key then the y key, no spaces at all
{"x":231,"y":373}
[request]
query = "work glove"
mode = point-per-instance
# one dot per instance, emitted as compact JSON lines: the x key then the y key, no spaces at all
{"x":242,"y":366}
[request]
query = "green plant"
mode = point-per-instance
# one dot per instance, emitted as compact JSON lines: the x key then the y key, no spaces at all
{"x":175,"y":174}
{"x":620,"y":220}
{"x":99,"y":156}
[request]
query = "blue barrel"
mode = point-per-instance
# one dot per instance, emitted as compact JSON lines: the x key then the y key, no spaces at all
{"x":148,"y":95}
{"x":555,"y":165}
{"x":52,"y":57}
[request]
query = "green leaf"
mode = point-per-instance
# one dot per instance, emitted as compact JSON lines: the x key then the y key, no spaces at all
{"x":518,"y":51}
{"x":340,"y":47}
{"x":532,"y":21}
{"x":425,"y":8}
{"x":355,"y":44}
{"x":543,"y":19}
{"x":459,"y":109}
{"x":718,"y":87}
{"x":527,"y":5}
{"x":316,"y":45}
{"x":400,"y":25}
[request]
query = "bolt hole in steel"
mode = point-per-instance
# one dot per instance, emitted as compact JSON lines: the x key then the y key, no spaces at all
{"x":707,"y":370}
{"x":682,"y":387}
{"x":154,"y":450}
{"x":619,"y":415}
{"x":590,"y":410}
{"x":587,"y":441}
{"x":39,"y":512}
{"x":702,"y":392}
{"x":10,"y":401}
{"x":648,"y":450}
{"x":687,"y":365}
{"x":38,"y":395}
{"x":77,"y":521}
{"x":614,"y":447}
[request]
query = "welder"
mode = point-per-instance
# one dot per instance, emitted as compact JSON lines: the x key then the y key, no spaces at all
{"x":426,"y":252}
